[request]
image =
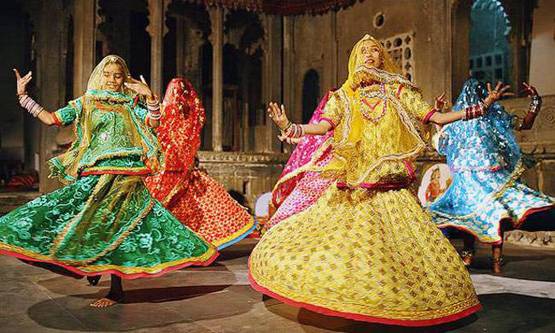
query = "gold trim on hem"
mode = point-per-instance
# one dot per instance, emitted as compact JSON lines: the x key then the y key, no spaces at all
{"x":361,"y":309}
{"x":123,"y":269}
{"x":236,"y":234}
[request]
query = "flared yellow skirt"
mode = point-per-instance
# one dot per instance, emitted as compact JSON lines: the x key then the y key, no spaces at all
{"x":370,"y":256}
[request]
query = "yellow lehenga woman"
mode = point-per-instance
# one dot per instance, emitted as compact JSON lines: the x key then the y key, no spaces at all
{"x":365,"y":249}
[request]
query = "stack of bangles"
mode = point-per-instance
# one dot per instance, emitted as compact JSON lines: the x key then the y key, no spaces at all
{"x":474,"y":111}
{"x":154,"y":109}
{"x":293,"y":131}
{"x":30,"y":105}
{"x":535,"y":104}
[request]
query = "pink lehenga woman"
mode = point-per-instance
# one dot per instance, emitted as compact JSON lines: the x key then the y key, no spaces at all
{"x":298,"y":188}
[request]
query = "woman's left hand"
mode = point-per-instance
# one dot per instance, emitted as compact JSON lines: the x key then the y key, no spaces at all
{"x":529,"y":90}
{"x":440,"y":102}
{"x":140,"y":87}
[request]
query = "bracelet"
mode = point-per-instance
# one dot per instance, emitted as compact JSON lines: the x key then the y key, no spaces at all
{"x":287,"y":126}
{"x":474,"y":111}
{"x":30,"y":105}
{"x":155,"y":115}
{"x":153,"y":108}
{"x":294,"y":131}
{"x":535,"y":104}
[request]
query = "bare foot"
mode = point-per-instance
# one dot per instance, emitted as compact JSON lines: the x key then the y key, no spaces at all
{"x":496,"y":268}
{"x":103,"y":303}
{"x":496,"y":264}
{"x":111,"y":299}
{"x":467,"y":257}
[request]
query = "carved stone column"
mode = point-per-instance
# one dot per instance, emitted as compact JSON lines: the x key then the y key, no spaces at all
{"x":289,"y":64}
{"x":84,"y":21}
{"x":157,"y":30}
{"x":333,"y":57}
{"x":50,"y":47}
{"x":271,"y":75}
{"x":217,"y":39}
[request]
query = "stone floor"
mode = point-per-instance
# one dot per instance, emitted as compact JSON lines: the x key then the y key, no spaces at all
{"x":219,"y":299}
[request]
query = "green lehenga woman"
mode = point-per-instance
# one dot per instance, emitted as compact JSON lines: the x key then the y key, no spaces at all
{"x":104,"y":220}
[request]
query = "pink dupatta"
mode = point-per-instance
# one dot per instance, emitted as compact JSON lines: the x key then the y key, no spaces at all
{"x":294,"y":192}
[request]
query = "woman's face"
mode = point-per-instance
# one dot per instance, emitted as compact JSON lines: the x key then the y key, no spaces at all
{"x":369,"y":54}
{"x":112,"y":77}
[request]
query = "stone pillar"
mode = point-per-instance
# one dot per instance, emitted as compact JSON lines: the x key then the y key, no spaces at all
{"x":289,"y":66}
{"x":294,"y":114}
{"x":157,"y":29}
{"x":333,"y":62}
{"x":51,"y":43}
{"x":217,"y":40}
{"x":459,"y":27}
{"x":194,"y":41}
{"x":271,"y":76}
{"x":180,"y":45}
{"x":84,"y":22}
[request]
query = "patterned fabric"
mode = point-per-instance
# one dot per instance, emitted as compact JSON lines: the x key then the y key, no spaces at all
{"x":105,"y":222}
{"x":307,"y":190}
{"x":102,"y":224}
{"x":357,"y":160}
{"x":108,"y":126}
{"x":486,"y":164}
{"x":193,"y":197}
{"x":364,"y":255}
{"x":295,"y":191}
{"x":372,"y":253}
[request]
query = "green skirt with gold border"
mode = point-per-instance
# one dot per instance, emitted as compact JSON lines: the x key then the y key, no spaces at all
{"x":102,"y":224}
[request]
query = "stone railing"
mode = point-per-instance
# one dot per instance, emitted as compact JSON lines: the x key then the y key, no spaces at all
{"x":250,"y":174}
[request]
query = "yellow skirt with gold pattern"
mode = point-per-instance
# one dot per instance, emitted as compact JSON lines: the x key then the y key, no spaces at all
{"x":365,"y":255}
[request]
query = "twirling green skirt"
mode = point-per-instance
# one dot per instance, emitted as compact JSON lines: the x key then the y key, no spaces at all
{"x":102,"y":224}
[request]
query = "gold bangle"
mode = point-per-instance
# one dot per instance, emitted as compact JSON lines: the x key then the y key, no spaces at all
{"x":287,"y":127}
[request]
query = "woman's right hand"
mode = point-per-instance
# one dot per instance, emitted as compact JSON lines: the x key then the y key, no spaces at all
{"x":496,"y":94}
{"x":277,"y":114}
{"x":22,"y":81}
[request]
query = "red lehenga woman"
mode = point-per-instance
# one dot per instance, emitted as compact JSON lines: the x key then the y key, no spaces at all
{"x":197,"y":200}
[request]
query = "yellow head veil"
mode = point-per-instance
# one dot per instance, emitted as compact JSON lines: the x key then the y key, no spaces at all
{"x":349,"y":132}
{"x":389,"y":72}
{"x":96,"y":78}
{"x":67,"y":166}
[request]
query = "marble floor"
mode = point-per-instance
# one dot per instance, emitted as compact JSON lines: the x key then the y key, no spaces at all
{"x":219,"y":299}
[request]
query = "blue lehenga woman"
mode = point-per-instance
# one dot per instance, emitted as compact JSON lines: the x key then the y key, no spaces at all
{"x":486,"y":163}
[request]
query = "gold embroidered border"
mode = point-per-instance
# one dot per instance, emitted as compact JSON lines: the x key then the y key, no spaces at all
{"x":235,"y":234}
{"x":519,"y":169}
{"x":126,"y":270}
{"x":364,"y":309}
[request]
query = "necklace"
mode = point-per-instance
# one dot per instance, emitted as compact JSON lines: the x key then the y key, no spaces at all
{"x":367,"y":108}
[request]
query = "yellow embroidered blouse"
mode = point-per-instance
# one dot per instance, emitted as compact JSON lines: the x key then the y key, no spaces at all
{"x":378,"y":134}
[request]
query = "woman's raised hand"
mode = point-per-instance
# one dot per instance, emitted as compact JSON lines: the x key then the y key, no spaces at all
{"x":22,"y":81}
{"x":496,"y":94}
{"x":278,"y":116}
{"x":529,"y":90}
{"x":440,"y":102}
{"x":140,"y":87}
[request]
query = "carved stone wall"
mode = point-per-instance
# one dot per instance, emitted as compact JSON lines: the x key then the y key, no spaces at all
{"x":400,"y":47}
{"x":250,"y":174}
